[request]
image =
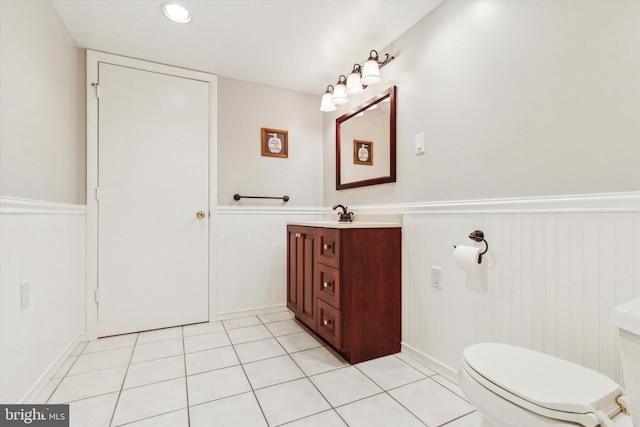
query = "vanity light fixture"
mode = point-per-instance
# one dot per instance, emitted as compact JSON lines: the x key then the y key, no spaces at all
{"x":354,"y":84}
{"x":326,"y":105}
{"x":340,"y":91}
{"x":371,"y":69}
{"x":176,"y":13}
{"x":360,"y":77}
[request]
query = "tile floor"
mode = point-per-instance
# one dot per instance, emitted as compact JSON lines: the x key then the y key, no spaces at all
{"x":255,"y":371}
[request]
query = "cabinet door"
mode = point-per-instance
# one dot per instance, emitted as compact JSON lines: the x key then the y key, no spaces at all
{"x":306,"y":295}
{"x":300,"y":260}
{"x":292,"y":269}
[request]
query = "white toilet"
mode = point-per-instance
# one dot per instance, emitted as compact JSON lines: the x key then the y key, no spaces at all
{"x":517,"y":387}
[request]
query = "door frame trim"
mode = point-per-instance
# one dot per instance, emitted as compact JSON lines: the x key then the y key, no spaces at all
{"x":93,"y":59}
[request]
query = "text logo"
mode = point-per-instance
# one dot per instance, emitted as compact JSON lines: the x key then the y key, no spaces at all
{"x":34,"y":415}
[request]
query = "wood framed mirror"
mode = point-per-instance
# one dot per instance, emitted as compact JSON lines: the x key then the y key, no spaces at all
{"x":369,"y":126}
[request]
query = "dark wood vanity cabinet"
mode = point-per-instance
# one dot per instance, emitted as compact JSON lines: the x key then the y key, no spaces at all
{"x":345,"y":285}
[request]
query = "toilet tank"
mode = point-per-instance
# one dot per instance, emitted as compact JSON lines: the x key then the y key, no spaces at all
{"x":627,"y":318}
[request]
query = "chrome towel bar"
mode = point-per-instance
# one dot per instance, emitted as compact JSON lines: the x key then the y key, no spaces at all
{"x":238,"y":197}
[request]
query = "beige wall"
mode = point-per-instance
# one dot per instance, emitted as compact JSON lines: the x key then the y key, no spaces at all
{"x":516,"y":99}
{"x":243,"y":109}
{"x":42,"y":112}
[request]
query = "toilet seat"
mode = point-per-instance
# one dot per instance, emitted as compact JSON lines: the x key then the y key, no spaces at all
{"x":543,"y":384}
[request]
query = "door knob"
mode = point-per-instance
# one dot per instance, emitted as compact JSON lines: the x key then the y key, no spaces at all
{"x":200,"y":214}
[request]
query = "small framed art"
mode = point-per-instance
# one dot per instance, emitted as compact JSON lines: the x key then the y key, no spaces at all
{"x":362,"y":152}
{"x":275,"y":142}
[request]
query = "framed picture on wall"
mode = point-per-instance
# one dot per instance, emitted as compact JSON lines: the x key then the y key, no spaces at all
{"x":362,"y":152}
{"x":275,"y":142}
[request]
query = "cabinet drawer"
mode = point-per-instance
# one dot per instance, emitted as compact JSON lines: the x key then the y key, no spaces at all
{"x":327,"y":283}
{"x":328,"y":246}
{"x":329,"y":324}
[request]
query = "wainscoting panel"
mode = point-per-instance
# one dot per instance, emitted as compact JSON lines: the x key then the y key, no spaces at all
{"x":548,"y":282}
{"x":42,"y":243}
{"x":555,"y":269}
{"x":250,"y":247}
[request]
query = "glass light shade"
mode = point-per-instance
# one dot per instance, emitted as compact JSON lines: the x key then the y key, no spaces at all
{"x":354,"y":85}
{"x":370,"y":73}
{"x":326,"y":106}
{"x":340,"y":94}
{"x":176,"y":13}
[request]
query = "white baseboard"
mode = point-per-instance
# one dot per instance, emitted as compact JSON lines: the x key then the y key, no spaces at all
{"x":431,"y":363}
{"x":35,"y":390}
{"x":253,"y":312}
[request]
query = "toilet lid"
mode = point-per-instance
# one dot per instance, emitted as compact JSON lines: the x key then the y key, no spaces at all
{"x":542,"y":383}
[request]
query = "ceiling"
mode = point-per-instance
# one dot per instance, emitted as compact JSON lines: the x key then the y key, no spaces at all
{"x":301,"y":45}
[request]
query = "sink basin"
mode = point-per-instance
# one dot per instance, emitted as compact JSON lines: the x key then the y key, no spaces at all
{"x":354,"y":224}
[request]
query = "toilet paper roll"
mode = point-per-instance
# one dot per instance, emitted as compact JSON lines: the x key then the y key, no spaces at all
{"x":466,"y":257}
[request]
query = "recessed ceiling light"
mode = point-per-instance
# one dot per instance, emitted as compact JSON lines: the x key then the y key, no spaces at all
{"x":176,"y":13}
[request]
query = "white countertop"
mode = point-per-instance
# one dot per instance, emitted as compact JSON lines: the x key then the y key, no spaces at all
{"x":354,"y":224}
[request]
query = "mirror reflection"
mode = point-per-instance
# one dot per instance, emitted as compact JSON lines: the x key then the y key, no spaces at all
{"x":366,"y":143}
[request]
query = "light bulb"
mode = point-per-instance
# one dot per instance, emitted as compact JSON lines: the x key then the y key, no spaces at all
{"x":370,"y":72}
{"x":354,"y":85}
{"x":326,"y":106}
{"x":340,"y":92}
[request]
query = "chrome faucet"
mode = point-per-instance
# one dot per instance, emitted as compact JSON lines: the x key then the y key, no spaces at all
{"x":345,"y":216}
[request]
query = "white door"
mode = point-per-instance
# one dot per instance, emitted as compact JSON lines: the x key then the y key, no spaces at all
{"x":153,"y":179}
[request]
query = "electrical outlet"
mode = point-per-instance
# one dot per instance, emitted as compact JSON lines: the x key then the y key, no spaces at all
{"x":25,"y":297}
{"x":436,"y":277}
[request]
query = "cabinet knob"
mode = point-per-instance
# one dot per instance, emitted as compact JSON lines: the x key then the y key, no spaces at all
{"x":200,"y":214}
{"x":326,"y":322}
{"x":325,"y":284}
{"x":327,"y":246}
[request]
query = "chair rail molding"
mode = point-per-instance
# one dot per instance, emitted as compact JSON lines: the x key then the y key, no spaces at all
{"x":12,"y":205}
{"x":596,"y":202}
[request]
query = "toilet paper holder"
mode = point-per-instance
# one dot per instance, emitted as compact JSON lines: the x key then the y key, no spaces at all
{"x":478,"y":236}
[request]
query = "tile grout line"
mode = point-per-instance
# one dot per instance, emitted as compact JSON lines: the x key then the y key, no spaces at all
{"x":429,"y":377}
{"x":186,"y":375}
{"x":124,"y":378}
{"x":186,"y":384}
{"x":457,"y":418}
{"x":65,"y":374}
{"x":287,"y":353}
{"x":148,"y":384}
{"x":309,"y":378}
{"x":272,"y":335}
{"x":233,"y":346}
{"x":386,"y":391}
{"x":305,"y":376}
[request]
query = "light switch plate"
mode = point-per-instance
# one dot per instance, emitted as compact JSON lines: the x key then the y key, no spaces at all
{"x":25,"y":295}
{"x":419,"y":140}
{"x":436,"y":277}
